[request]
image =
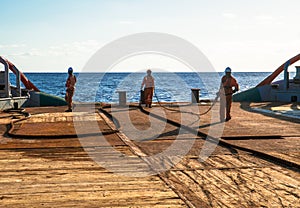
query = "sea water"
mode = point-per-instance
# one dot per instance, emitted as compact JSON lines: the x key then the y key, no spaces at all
{"x":169,"y":87}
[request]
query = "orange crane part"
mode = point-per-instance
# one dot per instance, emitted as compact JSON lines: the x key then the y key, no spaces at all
{"x":27,"y":83}
{"x":272,"y":76}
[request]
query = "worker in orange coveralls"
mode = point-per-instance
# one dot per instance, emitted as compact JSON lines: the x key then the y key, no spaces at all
{"x":70,"y":85}
{"x":148,"y":82}
{"x":228,"y":86}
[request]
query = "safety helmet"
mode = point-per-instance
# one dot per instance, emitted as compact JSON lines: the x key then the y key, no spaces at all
{"x":228,"y":70}
{"x":70,"y":70}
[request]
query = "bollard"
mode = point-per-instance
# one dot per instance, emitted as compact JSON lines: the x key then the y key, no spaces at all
{"x":16,"y":106}
{"x":195,"y":95}
{"x":122,"y":98}
{"x":142,"y":97}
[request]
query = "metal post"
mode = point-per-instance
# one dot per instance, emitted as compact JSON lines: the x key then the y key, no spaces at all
{"x":195,"y":95}
{"x":142,"y":97}
{"x":18,"y":82}
{"x":286,"y":78}
{"x":122,"y":98}
{"x":7,"y":84}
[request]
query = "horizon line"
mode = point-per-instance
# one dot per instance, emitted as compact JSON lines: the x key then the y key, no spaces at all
{"x":145,"y":72}
{"x":161,"y":72}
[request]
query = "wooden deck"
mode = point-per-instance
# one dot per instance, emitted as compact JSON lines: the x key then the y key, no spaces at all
{"x":39,"y":169}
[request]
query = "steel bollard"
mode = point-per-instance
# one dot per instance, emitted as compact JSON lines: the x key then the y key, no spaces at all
{"x":195,"y":95}
{"x":122,"y":98}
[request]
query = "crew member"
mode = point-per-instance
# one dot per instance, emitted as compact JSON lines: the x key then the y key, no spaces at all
{"x":70,"y":85}
{"x":148,"y":82}
{"x":228,"y":86}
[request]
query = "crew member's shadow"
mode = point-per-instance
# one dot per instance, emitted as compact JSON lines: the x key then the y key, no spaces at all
{"x":177,"y":132}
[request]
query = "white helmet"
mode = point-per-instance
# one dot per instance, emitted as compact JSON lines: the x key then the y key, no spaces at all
{"x":228,"y":70}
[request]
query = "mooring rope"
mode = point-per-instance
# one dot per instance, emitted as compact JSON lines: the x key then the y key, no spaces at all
{"x":198,"y":114}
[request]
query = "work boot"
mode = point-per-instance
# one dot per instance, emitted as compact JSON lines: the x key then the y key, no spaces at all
{"x":69,"y":110}
{"x":228,"y":118}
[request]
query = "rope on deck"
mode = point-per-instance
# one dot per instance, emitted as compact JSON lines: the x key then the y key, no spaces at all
{"x":27,"y":116}
{"x":231,"y":147}
{"x":198,"y":114}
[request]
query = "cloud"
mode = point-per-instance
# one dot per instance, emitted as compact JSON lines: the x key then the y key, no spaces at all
{"x":8,"y":46}
{"x":22,"y":54}
{"x":31,"y":52}
{"x":78,"y":47}
{"x":126,"y":22}
{"x":229,"y":15}
{"x":264,"y":17}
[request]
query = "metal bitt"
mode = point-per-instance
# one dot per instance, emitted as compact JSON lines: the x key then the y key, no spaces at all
{"x":142,"y":97}
{"x":195,"y":95}
{"x":297,"y":77}
{"x":122,"y":98}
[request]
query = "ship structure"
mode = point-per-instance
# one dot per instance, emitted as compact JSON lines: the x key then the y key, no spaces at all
{"x":286,"y":90}
{"x":18,"y":96}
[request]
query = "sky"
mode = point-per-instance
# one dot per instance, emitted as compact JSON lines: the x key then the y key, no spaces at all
{"x":51,"y":35}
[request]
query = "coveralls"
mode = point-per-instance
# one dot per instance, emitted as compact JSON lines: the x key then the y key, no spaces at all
{"x":148,"y":82}
{"x":225,"y":92}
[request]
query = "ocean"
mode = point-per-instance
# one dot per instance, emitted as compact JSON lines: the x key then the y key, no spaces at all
{"x":169,"y":87}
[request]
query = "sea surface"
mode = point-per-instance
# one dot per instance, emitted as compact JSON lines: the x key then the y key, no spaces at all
{"x":171,"y":87}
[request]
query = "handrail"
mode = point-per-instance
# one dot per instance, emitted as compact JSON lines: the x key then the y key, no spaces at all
{"x":20,"y":76}
{"x":7,"y":85}
{"x":27,"y":83}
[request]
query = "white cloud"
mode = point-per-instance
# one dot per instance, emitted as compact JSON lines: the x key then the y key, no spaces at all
{"x":229,"y":15}
{"x":264,"y":17}
{"x":75,"y":48}
{"x":31,"y":52}
{"x":126,"y":22}
{"x":269,"y":19}
{"x":8,"y":46}
{"x":21,"y":54}
{"x":252,"y":55}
